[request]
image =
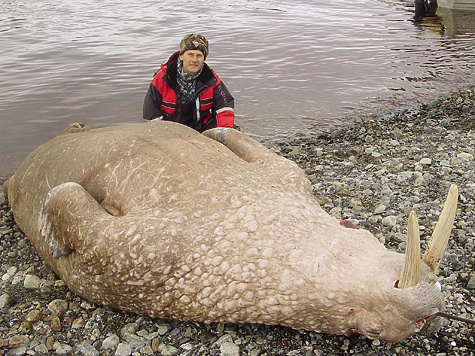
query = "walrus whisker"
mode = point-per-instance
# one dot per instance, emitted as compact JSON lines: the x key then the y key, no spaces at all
{"x":458,"y":318}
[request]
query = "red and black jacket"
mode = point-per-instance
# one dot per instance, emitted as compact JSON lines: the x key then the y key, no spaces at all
{"x":213,"y":105}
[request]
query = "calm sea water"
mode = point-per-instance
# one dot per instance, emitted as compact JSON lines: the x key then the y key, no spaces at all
{"x":295,"y":67}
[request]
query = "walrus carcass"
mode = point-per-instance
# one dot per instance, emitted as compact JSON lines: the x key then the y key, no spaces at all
{"x":158,"y":219}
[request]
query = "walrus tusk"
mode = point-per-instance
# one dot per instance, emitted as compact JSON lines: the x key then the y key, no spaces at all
{"x":412,"y":262}
{"x":440,"y":237}
{"x":437,"y":244}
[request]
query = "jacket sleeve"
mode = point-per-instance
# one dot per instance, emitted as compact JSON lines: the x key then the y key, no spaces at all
{"x":224,"y":105}
{"x":152,"y":103}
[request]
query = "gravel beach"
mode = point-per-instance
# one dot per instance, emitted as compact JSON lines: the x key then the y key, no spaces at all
{"x":372,"y":173}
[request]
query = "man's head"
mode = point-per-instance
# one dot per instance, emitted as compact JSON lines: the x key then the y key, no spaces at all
{"x":193,"y":60}
{"x":194,"y":49}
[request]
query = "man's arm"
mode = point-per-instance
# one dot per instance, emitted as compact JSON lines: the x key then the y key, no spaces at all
{"x":224,"y":105}
{"x":151,"y":104}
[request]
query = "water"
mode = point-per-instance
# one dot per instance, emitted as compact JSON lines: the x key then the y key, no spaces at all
{"x":295,"y":67}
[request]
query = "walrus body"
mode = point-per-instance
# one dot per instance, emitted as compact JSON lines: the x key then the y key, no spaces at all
{"x":158,"y":219}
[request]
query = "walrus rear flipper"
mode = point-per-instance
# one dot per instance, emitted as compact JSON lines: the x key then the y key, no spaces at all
{"x":241,"y":145}
{"x":62,"y":218}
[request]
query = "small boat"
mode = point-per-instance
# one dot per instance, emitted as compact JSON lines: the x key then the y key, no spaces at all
{"x":457,"y":4}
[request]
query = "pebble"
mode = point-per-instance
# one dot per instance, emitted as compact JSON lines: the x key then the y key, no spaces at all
{"x":32,"y":282}
{"x":111,"y":342}
{"x":6,"y":300}
{"x":167,"y":350}
{"x":58,"y":306}
{"x":471,"y":282}
{"x":229,"y":349}
{"x":372,"y":173}
{"x":123,"y":349}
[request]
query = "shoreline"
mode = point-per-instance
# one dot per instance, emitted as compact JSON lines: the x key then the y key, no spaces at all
{"x":372,"y":173}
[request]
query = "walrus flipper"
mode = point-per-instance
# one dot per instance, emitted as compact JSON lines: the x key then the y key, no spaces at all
{"x":62,"y":218}
{"x":241,"y":145}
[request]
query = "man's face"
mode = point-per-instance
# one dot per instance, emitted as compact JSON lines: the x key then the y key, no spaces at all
{"x":192,"y":59}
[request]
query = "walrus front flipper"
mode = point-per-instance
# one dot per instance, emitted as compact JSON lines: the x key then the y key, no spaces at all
{"x":241,"y":145}
{"x":62,"y":218}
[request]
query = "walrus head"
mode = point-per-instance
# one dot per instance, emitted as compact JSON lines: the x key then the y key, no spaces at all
{"x":415,"y":296}
{"x":392,"y":314}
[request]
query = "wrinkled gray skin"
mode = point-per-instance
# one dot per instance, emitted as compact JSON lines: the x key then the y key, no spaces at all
{"x":158,"y":219}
